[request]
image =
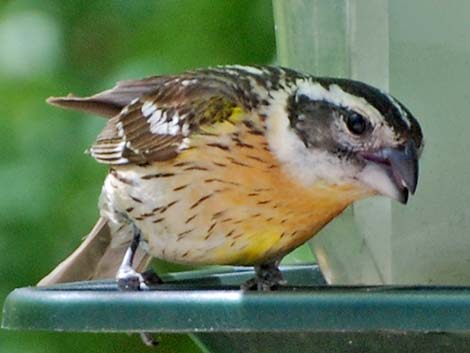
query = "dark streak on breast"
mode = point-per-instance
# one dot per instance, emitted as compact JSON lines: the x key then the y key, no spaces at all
{"x":136,"y":199}
{"x":221,"y":181}
{"x":158,"y":220}
{"x":180,"y":187}
{"x":245,"y":145}
{"x":234,"y":161}
{"x":230,"y":233}
{"x":129,"y":209}
{"x":211,"y":227}
{"x":182,"y":234}
{"x":217,"y":214}
{"x":158,"y":175}
{"x":190,"y":219}
{"x":219,"y":145}
{"x":219,"y":164}
{"x":256,"y":132}
{"x":205,"y":133}
{"x":163,"y":209}
{"x":264,"y":202}
{"x":256,"y":158}
{"x":181,"y":164}
{"x":196,"y":168}
{"x":198,"y":202}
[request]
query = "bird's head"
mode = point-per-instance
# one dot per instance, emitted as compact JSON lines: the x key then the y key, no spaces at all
{"x":341,"y":131}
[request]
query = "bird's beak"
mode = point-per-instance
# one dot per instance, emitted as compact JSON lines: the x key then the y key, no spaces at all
{"x":392,"y":171}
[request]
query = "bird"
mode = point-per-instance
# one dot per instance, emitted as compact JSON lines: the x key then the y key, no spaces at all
{"x":234,"y":165}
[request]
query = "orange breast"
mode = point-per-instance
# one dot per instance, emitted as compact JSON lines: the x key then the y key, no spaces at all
{"x":256,"y":208}
{"x":231,"y":202}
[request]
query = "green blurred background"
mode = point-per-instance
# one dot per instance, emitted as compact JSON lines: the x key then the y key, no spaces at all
{"x":49,"y":187}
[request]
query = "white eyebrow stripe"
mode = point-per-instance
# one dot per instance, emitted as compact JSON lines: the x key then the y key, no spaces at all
{"x":335,"y":95}
{"x":403,"y":114}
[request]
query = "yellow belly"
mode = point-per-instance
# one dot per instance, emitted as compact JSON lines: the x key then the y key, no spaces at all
{"x":224,"y":201}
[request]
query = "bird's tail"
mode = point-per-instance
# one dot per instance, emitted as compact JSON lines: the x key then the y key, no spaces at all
{"x":96,"y":258}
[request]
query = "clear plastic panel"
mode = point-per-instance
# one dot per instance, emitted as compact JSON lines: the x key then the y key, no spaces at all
{"x":430,"y":71}
{"x":419,"y":51}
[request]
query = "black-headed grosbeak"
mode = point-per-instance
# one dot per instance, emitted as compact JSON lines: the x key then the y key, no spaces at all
{"x":235,"y":165}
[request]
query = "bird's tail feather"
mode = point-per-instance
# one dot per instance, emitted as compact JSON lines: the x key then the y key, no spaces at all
{"x":96,"y":258}
{"x":110,"y":102}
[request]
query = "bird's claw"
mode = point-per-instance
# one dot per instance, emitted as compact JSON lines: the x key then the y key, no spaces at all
{"x":268,"y":277}
{"x":130,"y":280}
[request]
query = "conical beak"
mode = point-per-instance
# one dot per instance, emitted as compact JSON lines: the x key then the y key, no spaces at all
{"x":392,"y":171}
{"x":404,"y":165}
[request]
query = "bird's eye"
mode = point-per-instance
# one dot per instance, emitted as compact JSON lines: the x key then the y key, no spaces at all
{"x":356,"y":123}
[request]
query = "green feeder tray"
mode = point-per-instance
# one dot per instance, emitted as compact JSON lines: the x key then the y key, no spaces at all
{"x":305,"y":316}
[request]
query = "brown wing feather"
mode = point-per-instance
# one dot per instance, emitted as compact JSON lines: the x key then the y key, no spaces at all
{"x":154,"y":126}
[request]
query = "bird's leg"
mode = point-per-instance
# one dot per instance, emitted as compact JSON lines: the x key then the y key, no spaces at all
{"x":267,"y":277}
{"x":129,"y":279}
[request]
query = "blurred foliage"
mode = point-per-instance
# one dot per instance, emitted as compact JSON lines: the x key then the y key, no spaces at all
{"x":49,"y":187}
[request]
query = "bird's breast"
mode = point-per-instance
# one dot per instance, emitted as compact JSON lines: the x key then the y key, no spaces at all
{"x":224,"y":200}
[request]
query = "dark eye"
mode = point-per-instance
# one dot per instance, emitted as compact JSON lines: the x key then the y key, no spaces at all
{"x":356,"y":123}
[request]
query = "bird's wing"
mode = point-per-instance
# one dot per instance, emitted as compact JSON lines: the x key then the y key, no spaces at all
{"x":155,"y":125}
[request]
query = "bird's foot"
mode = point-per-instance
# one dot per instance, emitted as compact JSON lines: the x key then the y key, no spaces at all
{"x":130,"y":280}
{"x":268,"y":277}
